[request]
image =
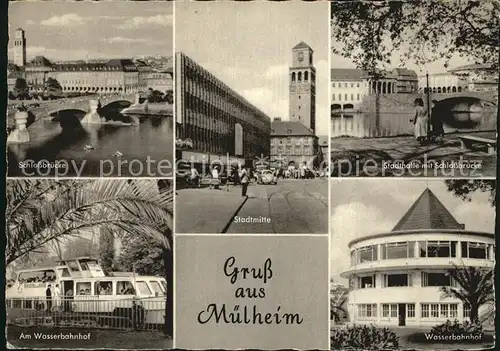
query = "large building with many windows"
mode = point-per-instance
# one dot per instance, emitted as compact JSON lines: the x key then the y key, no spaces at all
{"x":112,"y":76}
{"x":395,"y":278}
{"x":474,"y":77}
{"x":216,"y":119}
{"x":292,"y":144}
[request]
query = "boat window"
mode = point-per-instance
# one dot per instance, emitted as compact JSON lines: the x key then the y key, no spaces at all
{"x":143,"y":288}
{"x":164,"y":284}
{"x":125,"y":288}
{"x":104,"y":288}
{"x":65,"y":273}
{"x":83,"y":288}
{"x":73,"y":266}
{"x":93,"y":266}
{"x":84,"y":266}
{"x":156,"y":287}
{"x":42,"y":276}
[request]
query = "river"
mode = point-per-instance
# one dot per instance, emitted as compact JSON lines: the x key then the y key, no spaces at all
{"x":95,"y":150}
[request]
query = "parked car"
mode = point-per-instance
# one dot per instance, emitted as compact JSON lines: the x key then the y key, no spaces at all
{"x":266,"y":176}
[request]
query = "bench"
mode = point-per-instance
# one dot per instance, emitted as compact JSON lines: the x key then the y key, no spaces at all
{"x":469,"y":142}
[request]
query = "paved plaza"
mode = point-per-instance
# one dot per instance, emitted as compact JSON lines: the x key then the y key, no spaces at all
{"x":293,"y":206}
{"x":366,"y":157}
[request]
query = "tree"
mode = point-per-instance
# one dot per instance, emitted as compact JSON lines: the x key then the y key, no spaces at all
{"x":155,"y":96}
{"x":475,"y":288}
{"x":21,"y":88}
{"x":169,"y":96}
{"x":146,"y":256}
{"x":463,"y":188}
{"x":337,"y":307}
{"x":39,"y":211}
{"x":52,"y":88}
{"x":428,"y":30}
{"x":107,"y":249}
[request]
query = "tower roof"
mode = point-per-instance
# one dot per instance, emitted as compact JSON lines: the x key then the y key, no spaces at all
{"x":427,"y":213}
{"x":301,"y":45}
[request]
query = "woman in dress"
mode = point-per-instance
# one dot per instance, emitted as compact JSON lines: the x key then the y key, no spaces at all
{"x":420,"y":121}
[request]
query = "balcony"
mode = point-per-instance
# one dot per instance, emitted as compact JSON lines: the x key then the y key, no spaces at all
{"x":415,"y":263}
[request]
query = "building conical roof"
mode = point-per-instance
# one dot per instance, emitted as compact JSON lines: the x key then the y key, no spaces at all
{"x":301,"y":45}
{"x":427,"y":213}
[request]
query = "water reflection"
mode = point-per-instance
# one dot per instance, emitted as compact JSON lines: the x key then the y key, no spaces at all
{"x":151,"y":140}
{"x":455,"y":117}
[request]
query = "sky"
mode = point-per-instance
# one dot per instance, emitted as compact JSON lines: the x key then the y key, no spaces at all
{"x":94,"y":30}
{"x":354,"y":214}
{"x":249,"y":47}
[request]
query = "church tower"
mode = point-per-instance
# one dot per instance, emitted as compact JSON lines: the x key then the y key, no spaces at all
{"x":303,"y":86}
{"x":19,"y":48}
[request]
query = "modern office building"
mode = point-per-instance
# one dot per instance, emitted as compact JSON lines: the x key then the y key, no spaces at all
{"x":217,"y":120}
{"x":395,"y":277}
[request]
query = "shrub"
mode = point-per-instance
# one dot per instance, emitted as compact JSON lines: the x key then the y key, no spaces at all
{"x":457,"y":328}
{"x":364,"y":337}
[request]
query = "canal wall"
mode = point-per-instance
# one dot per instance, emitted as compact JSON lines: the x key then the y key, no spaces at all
{"x":390,"y":115}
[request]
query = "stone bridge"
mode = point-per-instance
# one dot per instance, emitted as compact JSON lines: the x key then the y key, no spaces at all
{"x":83,"y":104}
{"x":90,"y":105}
{"x":485,"y":96}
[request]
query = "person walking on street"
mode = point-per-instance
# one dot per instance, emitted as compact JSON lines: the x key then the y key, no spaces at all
{"x":215,"y":178}
{"x":48,"y":298}
{"x":244,"y":179}
{"x":195,"y":178}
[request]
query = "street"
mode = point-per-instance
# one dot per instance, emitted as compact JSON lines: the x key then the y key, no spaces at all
{"x":293,"y":206}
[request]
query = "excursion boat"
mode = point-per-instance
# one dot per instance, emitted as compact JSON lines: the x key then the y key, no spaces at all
{"x":86,"y":290}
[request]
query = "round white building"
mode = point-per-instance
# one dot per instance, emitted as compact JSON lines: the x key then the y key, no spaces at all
{"x":395,"y":277}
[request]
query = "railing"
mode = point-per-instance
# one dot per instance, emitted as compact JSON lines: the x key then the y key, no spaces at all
{"x":82,"y":311}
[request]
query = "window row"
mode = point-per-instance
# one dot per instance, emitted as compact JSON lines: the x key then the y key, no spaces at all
{"x":299,"y":77}
{"x":427,"y":310}
{"x":346,"y":85}
{"x":346,"y":97}
{"x":416,"y":249}
{"x":427,"y":279}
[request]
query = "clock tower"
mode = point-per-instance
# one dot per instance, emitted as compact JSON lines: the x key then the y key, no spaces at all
{"x":302,"y":77}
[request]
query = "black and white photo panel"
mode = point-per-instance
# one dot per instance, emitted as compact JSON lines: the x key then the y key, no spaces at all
{"x":89,"y":264}
{"x":90,"y":89}
{"x":411,"y":264}
{"x":251,"y":112}
{"x":414,"y":88}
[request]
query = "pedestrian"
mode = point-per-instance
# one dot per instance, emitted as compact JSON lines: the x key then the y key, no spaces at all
{"x":436,"y":121}
{"x":195,"y":178}
{"x":48,"y":297}
{"x":303,"y":171}
{"x":67,"y":300}
{"x":236,"y":176}
{"x":215,"y":178}
{"x":56,"y":296}
{"x":420,"y":121}
{"x":245,"y":180}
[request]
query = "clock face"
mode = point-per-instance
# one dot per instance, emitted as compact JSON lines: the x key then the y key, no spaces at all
{"x":301,"y":56}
